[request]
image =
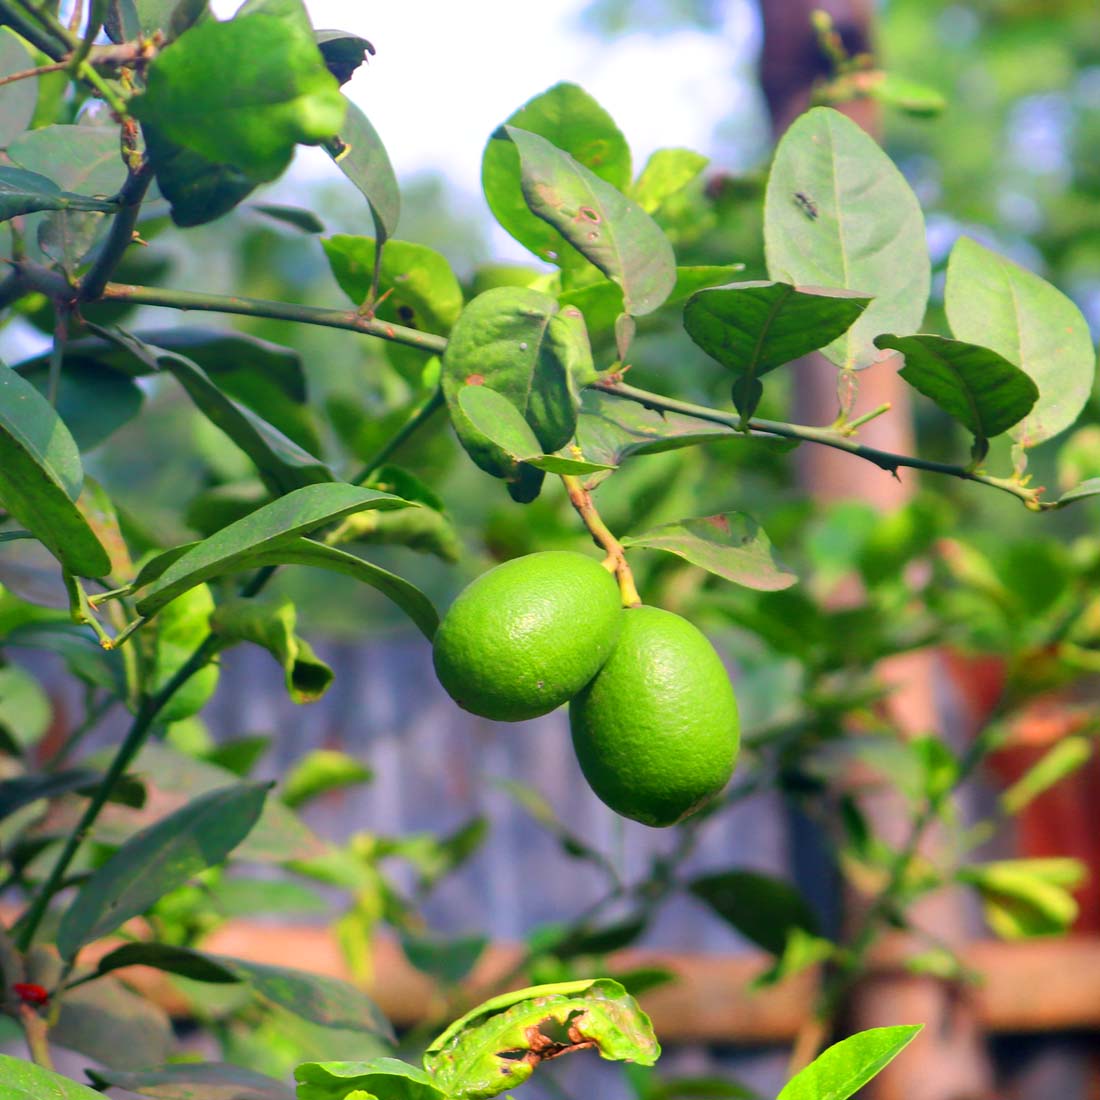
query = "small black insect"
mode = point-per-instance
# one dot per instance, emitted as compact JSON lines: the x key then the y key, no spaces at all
{"x":806,"y":205}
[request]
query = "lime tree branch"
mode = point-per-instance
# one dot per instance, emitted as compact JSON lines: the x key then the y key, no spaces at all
{"x":355,"y":321}
{"x":828,"y":437}
{"x":601,"y":534}
{"x":349,"y":319}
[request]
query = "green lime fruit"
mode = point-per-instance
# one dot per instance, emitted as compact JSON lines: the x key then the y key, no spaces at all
{"x":656,"y":732}
{"x":525,"y":637}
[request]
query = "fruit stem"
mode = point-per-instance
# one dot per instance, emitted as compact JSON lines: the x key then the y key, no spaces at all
{"x":601,"y":534}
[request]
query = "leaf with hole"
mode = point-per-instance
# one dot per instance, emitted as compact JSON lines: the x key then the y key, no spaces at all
{"x":420,"y":288}
{"x":157,"y":860}
{"x":980,"y":389}
{"x":496,"y":1046}
{"x":276,"y":94}
{"x":608,"y":229}
{"x":361,"y":156}
{"x":272,"y":626}
{"x":729,"y":544}
{"x":838,"y":213}
{"x":259,"y":533}
{"x":343,"y":52}
{"x":572,"y":120}
{"x":993,"y":302}
{"x":41,"y":477}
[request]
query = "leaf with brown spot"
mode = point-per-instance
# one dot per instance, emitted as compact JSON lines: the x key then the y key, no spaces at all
{"x":497,"y":1046}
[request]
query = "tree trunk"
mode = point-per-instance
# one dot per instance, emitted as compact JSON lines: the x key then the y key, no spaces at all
{"x":948,"y":1060}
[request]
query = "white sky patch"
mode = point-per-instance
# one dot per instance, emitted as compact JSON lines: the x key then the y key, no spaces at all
{"x":446,"y":75}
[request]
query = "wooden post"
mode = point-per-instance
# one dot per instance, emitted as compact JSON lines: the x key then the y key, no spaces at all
{"x":948,"y":1061}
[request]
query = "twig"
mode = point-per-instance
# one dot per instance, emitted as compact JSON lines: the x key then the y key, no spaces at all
{"x":601,"y":534}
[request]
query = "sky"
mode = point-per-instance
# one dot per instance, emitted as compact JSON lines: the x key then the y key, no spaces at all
{"x":446,"y":75}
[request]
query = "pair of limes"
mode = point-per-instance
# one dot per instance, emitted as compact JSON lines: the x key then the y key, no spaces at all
{"x":652,"y":712}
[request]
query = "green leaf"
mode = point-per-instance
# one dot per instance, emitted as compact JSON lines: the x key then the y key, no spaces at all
{"x":992,"y":302}
{"x":84,"y":657}
{"x":667,"y":172}
{"x":17,"y":100}
{"x":266,"y":377}
{"x":519,"y":343}
{"x":193,"y":1081}
{"x":174,"y":777}
{"x":762,"y":908}
{"x":602,"y":302}
{"x":275,"y":94}
{"x":92,"y":400}
{"x":838,"y":213}
{"x":801,"y":951}
{"x":843,"y":1069}
{"x":314,"y":997}
{"x":113,"y":1026}
{"x":180,"y":628}
{"x":281,"y":463}
{"x":730,"y":544}
{"x":23,"y":192}
{"x":302,"y":551}
{"x":494,"y":418}
{"x":246,"y":897}
{"x":159,"y":859}
{"x":41,"y":477}
{"x":423,"y":292}
{"x":497,"y":1045}
{"x":199,"y":190}
{"x":1058,"y":762}
{"x":447,"y":959}
{"x":272,"y":627}
{"x":167,"y":957}
{"x":319,"y":772}
{"x":753,"y":328}
{"x":1024,"y":898}
{"x":977,"y":387}
{"x":294,"y":216}
{"x":386,"y":1078}
{"x":606,"y":227}
{"x":361,"y":156}
{"x":22,"y":790}
{"x":1086,"y":489}
{"x":86,"y":159}
{"x":27,"y":1081}
{"x":343,"y":52}
{"x":573,"y":121}
{"x":906,"y":95}
{"x":260,"y":532}
{"x":612,"y":429}
{"x":422,"y":529}
{"x":25,"y":708}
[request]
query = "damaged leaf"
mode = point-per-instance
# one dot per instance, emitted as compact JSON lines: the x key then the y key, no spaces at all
{"x":498,"y":1045}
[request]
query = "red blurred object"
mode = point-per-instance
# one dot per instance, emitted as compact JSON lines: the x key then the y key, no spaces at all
{"x":1059,"y":822}
{"x":30,"y":994}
